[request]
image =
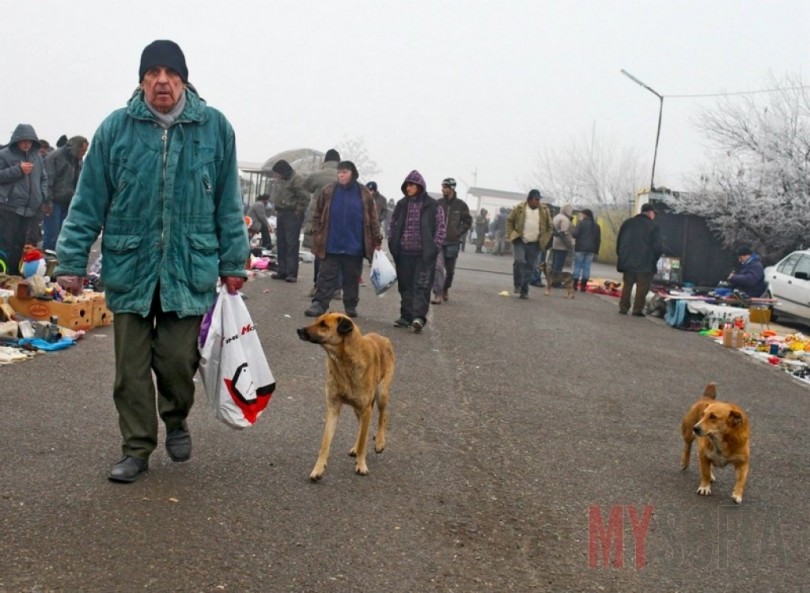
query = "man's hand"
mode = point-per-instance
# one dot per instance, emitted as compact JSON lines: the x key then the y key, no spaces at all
{"x":26,"y":167}
{"x":233,"y":283}
{"x":71,"y":284}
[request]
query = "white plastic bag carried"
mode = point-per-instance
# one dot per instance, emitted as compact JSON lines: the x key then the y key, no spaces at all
{"x":383,"y":274}
{"x":234,"y":370}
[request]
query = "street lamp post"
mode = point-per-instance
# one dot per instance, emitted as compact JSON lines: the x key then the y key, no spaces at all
{"x":660,"y":113}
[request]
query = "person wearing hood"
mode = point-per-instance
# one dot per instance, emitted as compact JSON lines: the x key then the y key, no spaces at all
{"x":750,"y":276}
{"x":416,"y":232}
{"x":290,"y":203}
{"x":62,"y":166}
{"x":345,"y":229}
{"x":161,"y":180}
{"x":562,"y":242}
{"x":23,"y":191}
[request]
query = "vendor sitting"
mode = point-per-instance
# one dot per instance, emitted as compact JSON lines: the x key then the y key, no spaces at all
{"x":750,"y":276}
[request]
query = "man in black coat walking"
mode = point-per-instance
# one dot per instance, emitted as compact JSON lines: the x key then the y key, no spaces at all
{"x":638,"y":247}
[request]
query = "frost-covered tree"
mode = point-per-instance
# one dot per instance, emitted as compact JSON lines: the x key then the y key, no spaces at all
{"x":756,"y":187}
{"x":354,"y":150}
{"x":594,"y":174}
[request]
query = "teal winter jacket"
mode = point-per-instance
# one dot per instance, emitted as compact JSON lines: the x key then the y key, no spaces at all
{"x":168,"y":203}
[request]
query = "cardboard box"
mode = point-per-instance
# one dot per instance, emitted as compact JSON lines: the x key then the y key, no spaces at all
{"x":101,"y":315}
{"x":75,"y":315}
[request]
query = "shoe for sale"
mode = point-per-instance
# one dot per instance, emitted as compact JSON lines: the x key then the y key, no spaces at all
{"x":128,"y":469}
{"x":315,"y":310}
{"x":417,"y":325}
{"x":401,"y":322}
{"x":178,"y":443}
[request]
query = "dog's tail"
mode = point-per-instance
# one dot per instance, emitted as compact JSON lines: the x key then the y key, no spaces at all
{"x":711,"y":391}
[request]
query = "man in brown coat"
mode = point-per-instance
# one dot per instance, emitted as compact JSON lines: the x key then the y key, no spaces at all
{"x":345,"y":229}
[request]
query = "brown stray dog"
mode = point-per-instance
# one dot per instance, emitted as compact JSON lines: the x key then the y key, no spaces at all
{"x":565,"y":278}
{"x":359,"y":370}
{"x":722,"y":431}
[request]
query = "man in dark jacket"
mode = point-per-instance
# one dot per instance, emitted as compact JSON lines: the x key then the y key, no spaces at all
{"x":458,"y":219}
{"x":750,"y":276}
{"x":415,"y":236}
{"x":314,"y":183}
{"x":639,"y":248}
{"x":23,"y":190}
{"x":344,"y":230}
{"x":62,"y":166}
{"x":588,"y":238}
{"x":290,"y":202}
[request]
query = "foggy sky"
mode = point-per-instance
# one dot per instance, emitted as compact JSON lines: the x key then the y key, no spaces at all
{"x":469,"y":89}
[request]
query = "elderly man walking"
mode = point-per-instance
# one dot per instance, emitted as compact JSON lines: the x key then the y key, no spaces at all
{"x":161,"y":180}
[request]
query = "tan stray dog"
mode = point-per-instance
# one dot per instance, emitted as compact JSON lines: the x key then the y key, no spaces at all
{"x":566,"y":278}
{"x":722,"y":431}
{"x":359,"y":370}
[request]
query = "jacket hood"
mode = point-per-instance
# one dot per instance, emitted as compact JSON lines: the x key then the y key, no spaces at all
{"x":75,"y":144}
{"x":25,"y":132}
{"x":414,"y":177}
{"x":568,"y":210}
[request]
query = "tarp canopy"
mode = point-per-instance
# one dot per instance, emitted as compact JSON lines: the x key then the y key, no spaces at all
{"x":302,"y":160}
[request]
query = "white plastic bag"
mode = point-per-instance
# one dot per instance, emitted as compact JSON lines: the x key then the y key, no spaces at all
{"x":233,"y":368}
{"x":383,"y":274}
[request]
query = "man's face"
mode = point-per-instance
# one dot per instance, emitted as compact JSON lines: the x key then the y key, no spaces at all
{"x":447,"y":191}
{"x":344,"y":176}
{"x":25,"y":145}
{"x":534,"y":203}
{"x":162,"y":88}
{"x":411,"y":190}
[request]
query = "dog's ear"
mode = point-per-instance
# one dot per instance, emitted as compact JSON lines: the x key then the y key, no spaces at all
{"x":711,"y":391}
{"x":345,"y":326}
{"x":734,"y":418}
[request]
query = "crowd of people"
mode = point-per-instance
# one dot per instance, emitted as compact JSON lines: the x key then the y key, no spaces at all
{"x":160,"y":177}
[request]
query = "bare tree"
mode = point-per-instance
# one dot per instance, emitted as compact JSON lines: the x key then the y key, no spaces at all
{"x":756,"y":189}
{"x":592,"y":173}
{"x":354,"y":150}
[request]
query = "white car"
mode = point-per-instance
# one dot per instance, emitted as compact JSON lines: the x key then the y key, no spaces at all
{"x":789,"y":283}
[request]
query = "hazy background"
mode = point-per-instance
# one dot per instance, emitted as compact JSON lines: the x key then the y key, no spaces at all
{"x":471,"y":89}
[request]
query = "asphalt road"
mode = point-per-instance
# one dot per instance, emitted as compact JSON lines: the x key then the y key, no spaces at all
{"x":532,"y":446}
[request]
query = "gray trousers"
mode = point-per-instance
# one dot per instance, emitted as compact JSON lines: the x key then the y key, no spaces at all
{"x":163,"y":344}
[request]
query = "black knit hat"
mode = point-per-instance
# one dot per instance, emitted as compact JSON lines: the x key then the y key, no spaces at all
{"x":534,"y":193}
{"x":163,"y":53}
{"x":283,"y":168}
{"x":331,"y":155}
{"x":349,"y":166}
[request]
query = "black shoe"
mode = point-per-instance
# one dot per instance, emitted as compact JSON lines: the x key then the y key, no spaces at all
{"x":178,"y":443}
{"x":350,"y":311}
{"x":277,"y":276}
{"x":314,"y":311}
{"x":638,"y":314}
{"x":401,"y":322}
{"x":128,"y":469}
{"x":524,"y":295}
{"x":291,"y":279}
{"x":622,"y":312}
{"x":538,"y":284}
